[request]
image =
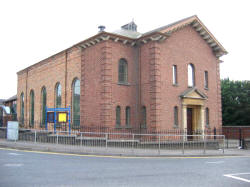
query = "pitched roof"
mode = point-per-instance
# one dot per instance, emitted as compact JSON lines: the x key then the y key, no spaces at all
{"x":14,"y":97}
{"x":187,"y":92}
{"x":129,"y":37}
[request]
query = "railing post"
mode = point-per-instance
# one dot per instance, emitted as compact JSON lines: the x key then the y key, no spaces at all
{"x":35,"y":136}
{"x":56,"y":138}
{"x":215,"y":133}
{"x":240,"y":137}
{"x":159,"y":144}
{"x":81,"y":140}
{"x":223,"y":144}
{"x":183,"y":144}
{"x":133,"y":142}
{"x":106,"y":140}
{"x":204,"y":139}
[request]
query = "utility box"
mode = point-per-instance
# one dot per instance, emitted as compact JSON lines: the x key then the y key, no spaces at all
{"x":12,"y":130}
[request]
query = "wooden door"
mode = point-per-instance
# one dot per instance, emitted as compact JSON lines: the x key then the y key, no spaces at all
{"x":189,"y":122}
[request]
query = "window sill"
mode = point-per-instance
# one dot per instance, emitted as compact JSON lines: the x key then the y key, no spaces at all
{"x":127,"y":127}
{"x":176,"y":126}
{"x":124,"y":83}
{"x":75,"y":127}
{"x":175,"y":85}
{"x":118,"y":127}
{"x":205,"y":88}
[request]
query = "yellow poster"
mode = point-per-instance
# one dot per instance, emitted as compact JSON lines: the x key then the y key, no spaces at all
{"x":62,"y":117}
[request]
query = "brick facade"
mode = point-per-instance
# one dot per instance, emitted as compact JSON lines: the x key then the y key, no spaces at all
{"x":150,"y":58}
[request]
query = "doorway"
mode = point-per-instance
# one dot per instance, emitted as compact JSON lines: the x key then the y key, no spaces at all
{"x":189,"y":122}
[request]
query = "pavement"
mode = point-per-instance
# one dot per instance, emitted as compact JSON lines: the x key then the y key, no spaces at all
{"x":111,"y":151}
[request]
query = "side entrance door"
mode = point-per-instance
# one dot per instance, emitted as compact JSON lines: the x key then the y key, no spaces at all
{"x":189,"y":122}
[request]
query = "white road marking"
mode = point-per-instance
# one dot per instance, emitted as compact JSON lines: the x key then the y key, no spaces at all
{"x":238,"y":178}
{"x":13,"y":165}
{"x":14,"y":154}
{"x":218,"y":162}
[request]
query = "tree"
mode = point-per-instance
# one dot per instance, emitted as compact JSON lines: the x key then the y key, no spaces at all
{"x":235,"y":102}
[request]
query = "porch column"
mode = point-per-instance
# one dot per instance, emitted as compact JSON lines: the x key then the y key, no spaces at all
{"x":202,"y":119}
{"x":184,"y":117}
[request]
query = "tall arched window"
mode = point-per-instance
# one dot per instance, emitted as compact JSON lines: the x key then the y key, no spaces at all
{"x":76,"y":102}
{"x":207,"y":116}
{"x":118,"y":116}
{"x":44,"y":104}
{"x":127,"y":116}
{"x":32,"y":108}
{"x":22,"y":109}
{"x":58,"y":95}
{"x":144,"y":117}
{"x":176,"y":116}
{"x":191,"y":75}
{"x":123,"y":71}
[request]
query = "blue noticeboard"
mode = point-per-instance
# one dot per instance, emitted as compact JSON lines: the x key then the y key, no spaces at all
{"x":51,"y":116}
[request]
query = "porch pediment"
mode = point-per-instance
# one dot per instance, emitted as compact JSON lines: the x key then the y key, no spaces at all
{"x":193,"y":93}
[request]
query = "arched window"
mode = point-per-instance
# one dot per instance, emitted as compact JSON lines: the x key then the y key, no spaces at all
{"x":43,"y":104}
{"x":22,"y":109}
{"x":144,"y":117}
{"x":127,"y":116}
{"x":191,"y":75}
{"x":207,"y":116}
{"x":76,"y":103}
{"x":58,"y":95}
{"x":206,"y":80}
{"x":32,"y":108}
{"x":174,"y":75}
{"x":123,"y":71}
{"x":176,"y":116}
{"x":118,"y":116}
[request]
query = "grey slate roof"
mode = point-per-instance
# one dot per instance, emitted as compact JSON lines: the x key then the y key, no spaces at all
{"x":128,"y":33}
{"x":11,"y":99}
{"x":1,"y":101}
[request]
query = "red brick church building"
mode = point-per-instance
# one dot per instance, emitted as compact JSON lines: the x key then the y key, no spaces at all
{"x":168,"y":78}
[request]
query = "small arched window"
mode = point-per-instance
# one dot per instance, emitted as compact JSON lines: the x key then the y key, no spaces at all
{"x":206,"y":80}
{"x":123,"y":71}
{"x":58,"y":95}
{"x":22,"y":109}
{"x":207,"y":117}
{"x":174,"y":75}
{"x":128,"y":116}
{"x":191,"y":75}
{"x":144,"y":117}
{"x":118,"y":116}
{"x":176,"y":116}
{"x":32,"y":108}
{"x":44,"y":104}
{"x":76,"y":102}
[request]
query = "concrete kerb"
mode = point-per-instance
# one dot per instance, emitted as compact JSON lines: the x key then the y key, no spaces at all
{"x":100,"y":151}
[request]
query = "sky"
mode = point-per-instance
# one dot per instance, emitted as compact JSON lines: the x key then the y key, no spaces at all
{"x":31,"y":31}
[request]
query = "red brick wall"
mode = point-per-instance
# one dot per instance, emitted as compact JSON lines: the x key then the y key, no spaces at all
{"x":183,"y":47}
{"x":48,"y":73}
{"x":100,"y":91}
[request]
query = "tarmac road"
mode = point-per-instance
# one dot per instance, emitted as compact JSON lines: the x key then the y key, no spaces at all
{"x":30,"y":168}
